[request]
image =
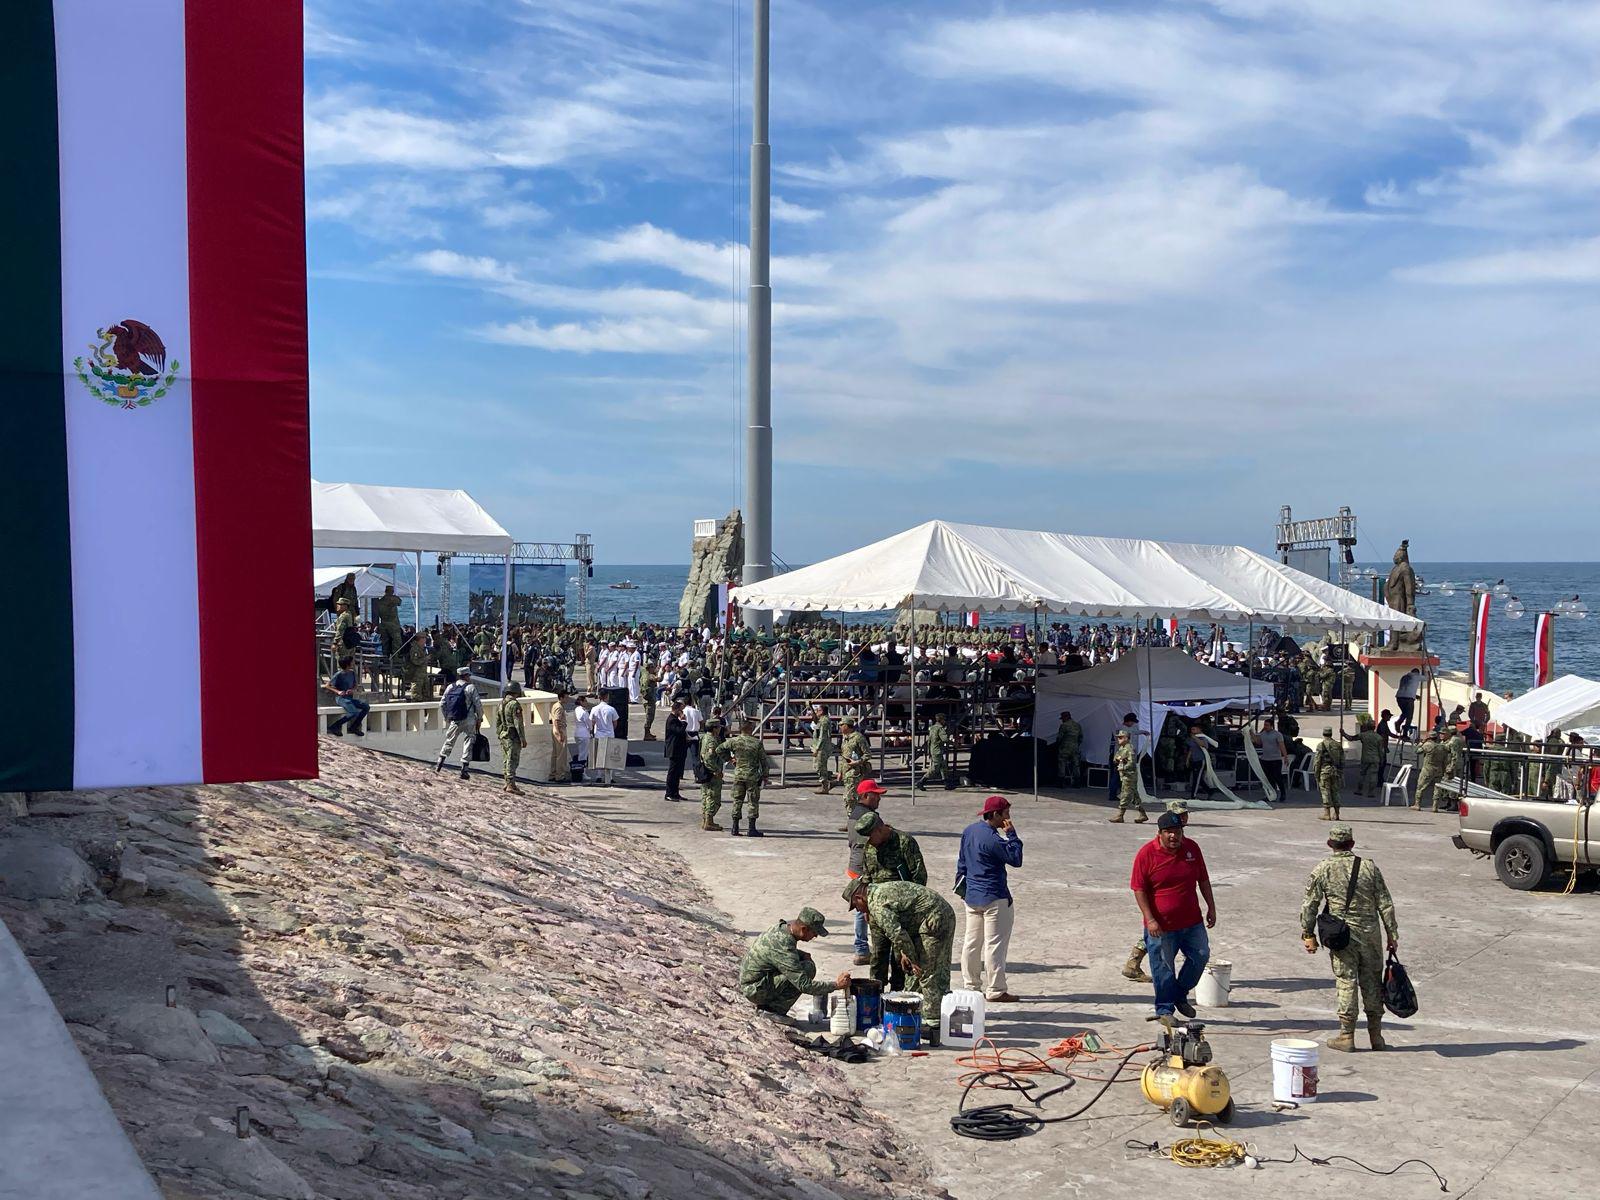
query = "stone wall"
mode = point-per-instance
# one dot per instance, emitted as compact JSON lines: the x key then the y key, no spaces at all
{"x":419,"y":989}
{"x":713,"y":560}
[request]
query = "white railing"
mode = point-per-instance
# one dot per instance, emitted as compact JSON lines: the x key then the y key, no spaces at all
{"x":705,"y":528}
{"x":393,"y":720}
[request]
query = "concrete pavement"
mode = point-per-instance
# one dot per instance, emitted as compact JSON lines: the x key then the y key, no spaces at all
{"x":1493,"y":1081}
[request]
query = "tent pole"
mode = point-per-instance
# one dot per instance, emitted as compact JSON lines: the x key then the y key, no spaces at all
{"x":1033,"y":730}
{"x":1344,"y":690}
{"x":913,"y":666}
{"x":505,"y":632}
{"x":416,"y":596}
{"x":1150,"y":717}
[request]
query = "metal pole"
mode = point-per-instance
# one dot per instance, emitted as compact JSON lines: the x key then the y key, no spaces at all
{"x":505,"y":632}
{"x":913,"y":666}
{"x":783,"y":755}
{"x":416,"y":598}
{"x":758,"y":408}
{"x":1033,"y":732}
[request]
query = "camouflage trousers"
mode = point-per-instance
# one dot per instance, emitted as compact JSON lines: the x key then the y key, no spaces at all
{"x":851,"y":778}
{"x":710,"y":798}
{"x":939,"y":766}
{"x":1067,"y":766}
{"x":510,"y":756}
{"x":1426,"y":783}
{"x":1328,"y":782}
{"x":819,"y":762}
{"x":1358,"y":969}
{"x":930,"y":966}
{"x":1128,"y":797}
{"x":746,"y":790}
{"x":777,"y":997}
{"x":1371,"y":779}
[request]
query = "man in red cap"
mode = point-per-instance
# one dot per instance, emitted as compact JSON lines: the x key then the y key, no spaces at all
{"x":988,"y":846}
{"x":867,"y":794}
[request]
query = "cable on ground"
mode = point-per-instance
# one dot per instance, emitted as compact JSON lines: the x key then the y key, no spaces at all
{"x":1300,"y":1155}
{"x":1004,"y":1122}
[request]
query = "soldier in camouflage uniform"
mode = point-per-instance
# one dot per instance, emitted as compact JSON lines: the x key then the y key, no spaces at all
{"x":821,"y":749}
{"x":1359,"y":966}
{"x":510,"y":728}
{"x":751,"y":766}
{"x":1549,"y":772}
{"x":345,"y":590}
{"x":386,"y":609}
{"x":1455,"y":763}
{"x":647,"y":694}
{"x":856,"y":756}
{"x":775,"y":972}
{"x":886,"y":855}
{"x":414,"y":656}
{"x":713,"y":755}
{"x":1125,"y":763}
{"x":1327,"y":768}
{"x":920,"y":927}
{"x":1499,"y":774}
{"x":1371,"y":759}
{"x":1432,"y":754}
{"x":344,"y":646}
{"x":938,"y":754}
{"x":1069,"y":746}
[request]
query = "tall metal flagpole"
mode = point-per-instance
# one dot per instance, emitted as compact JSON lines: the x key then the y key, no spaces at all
{"x":758,"y":405}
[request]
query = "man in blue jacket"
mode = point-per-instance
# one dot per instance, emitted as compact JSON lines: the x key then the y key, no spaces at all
{"x":988,"y":846}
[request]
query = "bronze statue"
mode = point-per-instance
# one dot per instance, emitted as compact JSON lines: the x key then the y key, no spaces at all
{"x":1400,"y":592}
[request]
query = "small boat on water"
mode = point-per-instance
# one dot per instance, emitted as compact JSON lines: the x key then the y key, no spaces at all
{"x":627,"y":585}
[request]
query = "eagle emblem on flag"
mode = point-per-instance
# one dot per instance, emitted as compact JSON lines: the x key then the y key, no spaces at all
{"x":127,"y":367}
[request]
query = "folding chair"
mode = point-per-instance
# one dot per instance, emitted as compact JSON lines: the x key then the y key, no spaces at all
{"x":1398,"y":784}
{"x":1300,"y":775}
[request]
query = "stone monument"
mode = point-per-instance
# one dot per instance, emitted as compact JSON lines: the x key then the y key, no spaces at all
{"x":1400,"y":593}
{"x":713,"y":560}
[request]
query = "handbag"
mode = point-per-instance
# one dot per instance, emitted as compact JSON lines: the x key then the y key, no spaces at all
{"x":480,"y":748}
{"x":1399,"y":997}
{"x":1333,"y":932}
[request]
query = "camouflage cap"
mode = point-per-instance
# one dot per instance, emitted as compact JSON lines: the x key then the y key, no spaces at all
{"x":1178,"y":806}
{"x":710,"y":721}
{"x":1327,"y":731}
{"x":1340,"y":832}
{"x":867,"y":822}
{"x":812,"y":920}
{"x":850,"y":890}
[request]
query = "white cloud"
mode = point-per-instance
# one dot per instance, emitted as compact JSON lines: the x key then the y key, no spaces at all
{"x":645,"y":335}
{"x":463,"y":266}
{"x":794,"y":214}
{"x":1573,"y":262}
{"x":339,"y":135}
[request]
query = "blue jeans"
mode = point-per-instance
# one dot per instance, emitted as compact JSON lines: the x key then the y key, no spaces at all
{"x":863,"y":946}
{"x":1172,"y":984}
{"x":355,"y":712}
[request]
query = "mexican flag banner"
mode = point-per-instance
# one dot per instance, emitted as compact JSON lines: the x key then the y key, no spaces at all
{"x":154,"y":468}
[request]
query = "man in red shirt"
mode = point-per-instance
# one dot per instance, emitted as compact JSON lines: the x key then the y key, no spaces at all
{"x":1169,"y":875}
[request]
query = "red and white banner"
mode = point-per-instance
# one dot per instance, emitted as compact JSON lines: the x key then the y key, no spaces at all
{"x":971,"y":619}
{"x":1544,"y":648}
{"x":1480,"y":638}
{"x":1172,"y":630}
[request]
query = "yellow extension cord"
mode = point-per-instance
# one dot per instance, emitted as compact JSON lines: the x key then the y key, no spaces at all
{"x":1206,"y":1152}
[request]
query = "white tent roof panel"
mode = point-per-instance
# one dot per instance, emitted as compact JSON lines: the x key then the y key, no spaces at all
{"x":1570,"y":702}
{"x":360,"y":516}
{"x":950,"y":567}
{"x":369,"y":583}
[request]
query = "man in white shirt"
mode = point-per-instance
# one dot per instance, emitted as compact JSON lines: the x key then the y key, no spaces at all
{"x":631,"y":668}
{"x":603,"y":728}
{"x":583,"y":731}
{"x":693,"y":719}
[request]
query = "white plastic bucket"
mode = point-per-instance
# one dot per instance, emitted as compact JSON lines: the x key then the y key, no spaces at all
{"x":1215,"y":983}
{"x":961,"y":1018}
{"x":1294,"y":1070}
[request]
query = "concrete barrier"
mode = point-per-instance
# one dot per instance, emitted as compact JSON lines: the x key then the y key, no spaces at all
{"x":415,"y":728}
{"x":58,"y":1137}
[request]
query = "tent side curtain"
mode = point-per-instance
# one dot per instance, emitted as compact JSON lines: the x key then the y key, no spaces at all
{"x":358,"y":516}
{"x":952,"y":568}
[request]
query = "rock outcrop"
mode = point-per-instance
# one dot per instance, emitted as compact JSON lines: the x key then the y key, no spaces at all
{"x":402,"y":985}
{"x":714,"y":560}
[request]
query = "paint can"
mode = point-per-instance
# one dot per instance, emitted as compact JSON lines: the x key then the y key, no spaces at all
{"x":902,"y":1018}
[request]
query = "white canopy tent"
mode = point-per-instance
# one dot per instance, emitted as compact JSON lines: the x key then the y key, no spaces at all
{"x":1150,"y":685}
{"x":364,"y":516}
{"x":946,"y":567}
{"x":369,"y":582}
{"x":1569,"y":702}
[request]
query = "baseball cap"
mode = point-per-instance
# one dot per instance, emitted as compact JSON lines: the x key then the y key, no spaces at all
{"x":994,"y":804}
{"x":850,"y":890}
{"x":1169,"y":820}
{"x":810,"y":917}
{"x":1340,"y":832}
{"x":867,"y":822}
{"x":870,"y":787}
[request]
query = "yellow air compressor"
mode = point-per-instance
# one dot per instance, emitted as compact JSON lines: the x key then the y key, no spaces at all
{"x":1182,"y":1080}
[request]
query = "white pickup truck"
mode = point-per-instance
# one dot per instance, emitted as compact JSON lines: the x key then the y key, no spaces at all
{"x":1529,"y":839}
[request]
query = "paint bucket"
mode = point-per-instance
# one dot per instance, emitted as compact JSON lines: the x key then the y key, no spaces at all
{"x":868,"y":994}
{"x":1294,"y":1070}
{"x":902,"y":1018}
{"x":1215,"y":983}
{"x":961,"y":1018}
{"x":841,"y":1014}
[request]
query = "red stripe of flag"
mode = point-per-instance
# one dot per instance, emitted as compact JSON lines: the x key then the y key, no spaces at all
{"x":247,"y":298}
{"x":1543,"y":648}
{"x":1480,"y":640}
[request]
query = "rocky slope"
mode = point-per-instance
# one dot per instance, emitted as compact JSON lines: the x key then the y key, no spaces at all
{"x":418,"y":988}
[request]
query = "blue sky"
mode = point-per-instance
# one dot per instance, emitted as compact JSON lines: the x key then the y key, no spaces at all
{"x":1127,"y":269}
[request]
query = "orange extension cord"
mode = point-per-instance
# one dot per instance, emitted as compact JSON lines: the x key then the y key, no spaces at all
{"x":987,"y":1057}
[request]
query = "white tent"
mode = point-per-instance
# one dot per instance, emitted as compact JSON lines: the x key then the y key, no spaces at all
{"x":364,"y":516}
{"x":361,"y":516}
{"x":1566,"y":703}
{"x":947,"y":567}
{"x":1149,"y":684}
{"x":369,"y":582}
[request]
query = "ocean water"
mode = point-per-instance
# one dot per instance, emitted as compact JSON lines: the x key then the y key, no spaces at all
{"x":1538,"y":585}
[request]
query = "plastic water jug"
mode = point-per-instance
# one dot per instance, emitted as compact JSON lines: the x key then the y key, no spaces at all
{"x":961,"y":1018}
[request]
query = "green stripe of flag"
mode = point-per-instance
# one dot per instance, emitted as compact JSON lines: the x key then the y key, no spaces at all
{"x":36,"y":708}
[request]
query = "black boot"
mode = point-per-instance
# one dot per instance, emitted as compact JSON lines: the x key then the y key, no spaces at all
{"x":751,"y":830}
{"x":733,"y":827}
{"x":438,"y":766}
{"x":335,"y":731}
{"x":464,"y":772}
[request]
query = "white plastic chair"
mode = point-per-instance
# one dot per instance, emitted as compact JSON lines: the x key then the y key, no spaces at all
{"x":1300,"y":776}
{"x":1398,"y":784}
